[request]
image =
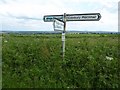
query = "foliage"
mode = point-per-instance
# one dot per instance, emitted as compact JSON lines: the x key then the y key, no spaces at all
{"x":35,"y":61}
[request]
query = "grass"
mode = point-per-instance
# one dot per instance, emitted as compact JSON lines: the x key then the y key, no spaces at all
{"x":35,"y":61}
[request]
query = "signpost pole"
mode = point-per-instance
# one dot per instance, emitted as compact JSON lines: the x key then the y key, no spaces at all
{"x":63,"y":36}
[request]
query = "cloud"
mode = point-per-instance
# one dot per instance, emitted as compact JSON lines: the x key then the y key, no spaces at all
{"x":10,"y":23}
{"x":6,"y":1}
{"x":23,"y":17}
{"x":3,"y":1}
{"x":27,"y":18}
{"x":28,"y":14}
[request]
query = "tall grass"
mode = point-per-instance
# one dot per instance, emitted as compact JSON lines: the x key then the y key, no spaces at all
{"x":35,"y":61}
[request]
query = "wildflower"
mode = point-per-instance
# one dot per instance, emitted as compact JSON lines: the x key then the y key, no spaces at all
{"x":109,"y":58}
{"x":5,"y":41}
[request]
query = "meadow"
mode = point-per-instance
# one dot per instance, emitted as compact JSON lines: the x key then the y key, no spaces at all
{"x":35,"y":61}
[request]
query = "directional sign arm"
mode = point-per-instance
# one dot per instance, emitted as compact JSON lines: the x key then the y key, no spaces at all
{"x":84,"y":17}
{"x":50,"y":18}
{"x":58,"y":25}
{"x":74,"y":17}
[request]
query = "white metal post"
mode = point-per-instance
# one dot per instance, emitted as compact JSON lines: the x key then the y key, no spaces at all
{"x":63,"y":44}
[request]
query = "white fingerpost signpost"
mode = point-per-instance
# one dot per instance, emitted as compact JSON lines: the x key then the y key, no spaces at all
{"x":59,"y":22}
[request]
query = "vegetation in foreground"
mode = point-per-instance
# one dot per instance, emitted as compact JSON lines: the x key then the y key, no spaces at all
{"x":35,"y":61}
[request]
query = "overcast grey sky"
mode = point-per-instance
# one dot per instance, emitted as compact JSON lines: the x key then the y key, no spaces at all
{"x":28,"y":14}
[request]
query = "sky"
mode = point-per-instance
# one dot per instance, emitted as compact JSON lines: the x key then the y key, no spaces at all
{"x":27,"y":15}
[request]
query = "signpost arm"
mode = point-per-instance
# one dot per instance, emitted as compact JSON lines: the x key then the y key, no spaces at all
{"x":63,"y":36}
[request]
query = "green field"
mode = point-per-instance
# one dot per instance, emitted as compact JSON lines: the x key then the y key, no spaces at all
{"x":35,"y":61}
